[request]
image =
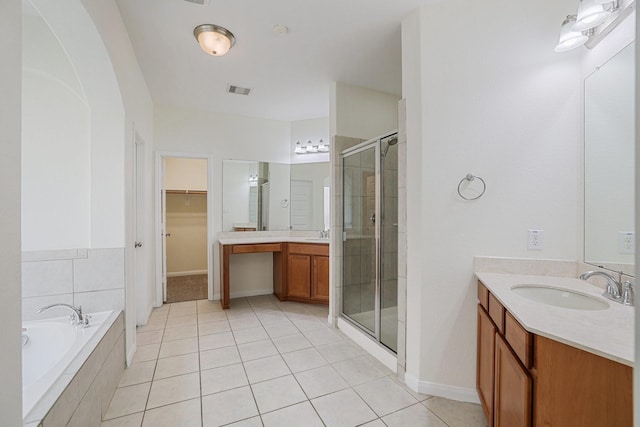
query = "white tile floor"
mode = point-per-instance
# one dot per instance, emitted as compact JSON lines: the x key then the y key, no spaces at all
{"x":264,"y":363}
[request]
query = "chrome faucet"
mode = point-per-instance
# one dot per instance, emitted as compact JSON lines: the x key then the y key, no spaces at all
{"x":76,"y":318}
{"x":615,"y":290}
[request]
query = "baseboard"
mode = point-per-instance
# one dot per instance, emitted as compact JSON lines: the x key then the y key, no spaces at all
{"x":460,"y":394}
{"x":186,"y":273}
{"x":372,"y":347}
{"x":252,"y":293}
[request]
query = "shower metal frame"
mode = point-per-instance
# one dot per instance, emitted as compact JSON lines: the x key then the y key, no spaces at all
{"x":378,"y":212}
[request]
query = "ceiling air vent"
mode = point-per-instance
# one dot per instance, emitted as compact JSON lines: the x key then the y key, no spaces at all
{"x":196,"y":1}
{"x":238,"y":90}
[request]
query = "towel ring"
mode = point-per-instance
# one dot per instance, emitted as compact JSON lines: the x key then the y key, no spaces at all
{"x":470,"y":178}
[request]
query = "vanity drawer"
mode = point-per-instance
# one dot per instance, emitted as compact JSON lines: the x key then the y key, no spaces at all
{"x":264,"y":247}
{"x":520,"y":340}
{"x":496,"y":311}
{"x":483,"y":295}
{"x":309,"y":249}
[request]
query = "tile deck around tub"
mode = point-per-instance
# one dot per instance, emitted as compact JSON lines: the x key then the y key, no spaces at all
{"x":264,"y":363}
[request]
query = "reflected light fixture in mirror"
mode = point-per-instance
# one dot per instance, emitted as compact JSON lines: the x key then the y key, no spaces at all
{"x":570,"y":39}
{"x":213,"y":39}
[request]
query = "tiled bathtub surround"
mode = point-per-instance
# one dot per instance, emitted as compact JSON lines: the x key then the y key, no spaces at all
{"x":91,"y":278}
{"x":82,"y":394}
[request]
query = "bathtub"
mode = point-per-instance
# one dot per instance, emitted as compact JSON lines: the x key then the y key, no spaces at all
{"x":54,"y":352}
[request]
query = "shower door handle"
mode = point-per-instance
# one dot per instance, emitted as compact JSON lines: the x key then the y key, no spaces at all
{"x":373,"y":218}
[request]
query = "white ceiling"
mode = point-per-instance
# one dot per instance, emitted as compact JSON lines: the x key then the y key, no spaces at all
{"x":351,"y":41}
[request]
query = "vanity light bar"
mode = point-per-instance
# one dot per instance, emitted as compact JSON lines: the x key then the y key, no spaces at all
{"x":310,"y":148}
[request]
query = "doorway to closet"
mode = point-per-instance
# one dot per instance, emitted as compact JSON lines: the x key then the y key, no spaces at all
{"x":184,"y":224}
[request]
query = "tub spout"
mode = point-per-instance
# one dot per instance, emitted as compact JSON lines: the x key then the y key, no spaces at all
{"x":76,"y":318}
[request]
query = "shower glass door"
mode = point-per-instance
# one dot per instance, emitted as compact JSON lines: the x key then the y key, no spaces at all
{"x":360,"y":184}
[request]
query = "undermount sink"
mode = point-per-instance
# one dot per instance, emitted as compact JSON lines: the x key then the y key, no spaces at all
{"x":560,"y":297}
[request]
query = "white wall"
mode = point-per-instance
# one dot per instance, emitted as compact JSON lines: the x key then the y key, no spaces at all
{"x":10,"y":112}
{"x":56,"y":142}
{"x":318,"y":174}
{"x":495,"y":101}
{"x":279,"y":195}
{"x":187,"y":224}
{"x":221,"y":136}
{"x":360,"y":112}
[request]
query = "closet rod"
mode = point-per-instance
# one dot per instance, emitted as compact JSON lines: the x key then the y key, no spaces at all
{"x":185,"y":192}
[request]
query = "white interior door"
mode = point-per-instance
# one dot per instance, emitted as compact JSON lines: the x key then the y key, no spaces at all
{"x":301,"y":204}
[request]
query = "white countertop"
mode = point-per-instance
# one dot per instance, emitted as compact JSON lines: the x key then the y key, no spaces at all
{"x":271,"y":239}
{"x":608,"y":333}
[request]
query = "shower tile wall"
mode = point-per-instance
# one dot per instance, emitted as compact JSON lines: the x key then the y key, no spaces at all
{"x":91,"y":278}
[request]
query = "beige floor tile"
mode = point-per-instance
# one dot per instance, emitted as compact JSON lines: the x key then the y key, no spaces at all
{"x":293,"y":415}
{"x":281,"y":329}
{"x":144,"y":353}
{"x":320,"y":381}
{"x":206,"y":306}
{"x":153,"y":325}
{"x":457,"y":414}
{"x":138,"y":373}
{"x":303,"y":360}
{"x":174,"y":389}
{"x":291,"y":343}
{"x":243,"y":336}
{"x":180,"y":332}
{"x":183,"y":414}
{"x":222,"y":379}
{"x":358,"y":371}
{"x":343,"y":409}
{"x":257,"y":350}
{"x":266,"y":369}
{"x":239,"y":313}
{"x":245,"y":322}
{"x":416,"y":415}
{"x":277,"y":393}
{"x":374,"y":423}
{"x":152,"y":337}
{"x":214,"y":316}
{"x":338,"y":351}
{"x":179,"y":347}
{"x":133,"y":420}
{"x":307,"y":325}
{"x":128,"y":400}
{"x":209,"y":342}
{"x":182,"y":308}
{"x":272,"y":318}
{"x":384,"y":396}
{"x":250,"y":422}
{"x":227,"y":407}
{"x":323,"y":336}
{"x":177,"y":365}
{"x":216,"y":327}
{"x":218,"y":357}
{"x":189,"y":319}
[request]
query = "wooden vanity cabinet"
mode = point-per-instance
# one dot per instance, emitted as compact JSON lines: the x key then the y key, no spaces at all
{"x":528,"y":380}
{"x":308,"y":273}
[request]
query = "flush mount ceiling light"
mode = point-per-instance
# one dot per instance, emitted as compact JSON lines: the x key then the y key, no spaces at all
{"x":570,"y":39}
{"x":213,"y":39}
{"x":591,"y":13}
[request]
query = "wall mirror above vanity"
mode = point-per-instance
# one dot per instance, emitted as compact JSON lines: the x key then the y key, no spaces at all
{"x":609,"y":159}
{"x":267,"y":196}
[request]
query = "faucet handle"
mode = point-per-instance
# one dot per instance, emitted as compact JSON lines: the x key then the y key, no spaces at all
{"x":627,"y":294}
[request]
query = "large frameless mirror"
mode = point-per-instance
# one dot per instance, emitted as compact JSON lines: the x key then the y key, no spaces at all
{"x":609,"y":164}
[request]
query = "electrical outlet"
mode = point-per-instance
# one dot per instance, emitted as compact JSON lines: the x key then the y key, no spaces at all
{"x":535,"y":241}
{"x":626,"y":242}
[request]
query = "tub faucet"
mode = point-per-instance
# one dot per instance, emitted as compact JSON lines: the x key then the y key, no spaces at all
{"x":76,"y":318}
{"x":614,"y":287}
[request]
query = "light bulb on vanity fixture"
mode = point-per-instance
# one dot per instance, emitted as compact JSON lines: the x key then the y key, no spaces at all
{"x":570,"y":39}
{"x":300,"y":149}
{"x":311,"y":148}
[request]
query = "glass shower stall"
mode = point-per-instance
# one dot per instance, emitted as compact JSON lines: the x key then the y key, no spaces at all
{"x":370,"y":238}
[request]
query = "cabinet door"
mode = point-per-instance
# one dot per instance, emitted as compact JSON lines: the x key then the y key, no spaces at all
{"x":320,"y":281}
{"x":485,"y":362}
{"x":512,"y":389}
{"x":299,"y":277}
